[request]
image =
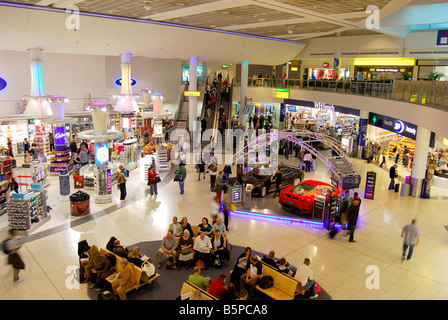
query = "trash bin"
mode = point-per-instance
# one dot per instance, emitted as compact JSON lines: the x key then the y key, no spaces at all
{"x":405,"y":189}
{"x":79,"y":204}
{"x":248,"y":196}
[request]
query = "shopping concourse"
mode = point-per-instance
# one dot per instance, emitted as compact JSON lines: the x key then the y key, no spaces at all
{"x":312,"y":134}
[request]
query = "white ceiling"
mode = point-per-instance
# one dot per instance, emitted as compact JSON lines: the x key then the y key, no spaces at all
{"x":148,"y":33}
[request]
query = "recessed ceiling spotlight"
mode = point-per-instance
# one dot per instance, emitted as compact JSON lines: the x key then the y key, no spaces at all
{"x":290,"y":31}
{"x":147,"y":5}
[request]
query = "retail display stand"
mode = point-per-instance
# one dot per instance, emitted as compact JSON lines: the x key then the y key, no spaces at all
{"x":130,"y":154}
{"x":28,"y":211}
{"x":4,"y":196}
{"x":31,"y":174}
{"x":145,"y":163}
{"x":7,"y":164}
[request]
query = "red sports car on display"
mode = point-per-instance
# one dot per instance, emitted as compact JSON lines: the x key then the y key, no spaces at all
{"x":302,"y":195}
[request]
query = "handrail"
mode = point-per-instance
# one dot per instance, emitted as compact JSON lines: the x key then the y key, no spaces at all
{"x":427,"y":93}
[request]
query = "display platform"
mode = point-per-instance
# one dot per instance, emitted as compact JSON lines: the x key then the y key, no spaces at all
{"x":269,"y":209}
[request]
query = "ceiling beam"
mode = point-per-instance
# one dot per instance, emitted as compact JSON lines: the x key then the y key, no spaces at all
{"x":193,"y":10}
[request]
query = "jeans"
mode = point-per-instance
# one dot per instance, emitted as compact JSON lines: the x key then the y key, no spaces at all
{"x":153,"y":188}
{"x":312,"y":285}
{"x":392,"y":184}
{"x":123,"y":193}
{"x":181,"y":185}
{"x":307,"y":166}
{"x":212,"y":181}
{"x":411,"y":250}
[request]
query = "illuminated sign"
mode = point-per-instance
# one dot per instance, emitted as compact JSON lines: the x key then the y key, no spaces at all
{"x":225,"y":66}
{"x":401,"y":127}
{"x":294,"y":69}
{"x":445,"y":141}
{"x":323,"y":106}
{"x":325,"y":65}
{"x":282,"y":93}
{"x":119,"y":80}
{"x":59,"y":136}
{"x":3,"y":84}
{"x":101,"y":153}
{"x":192,"y":93}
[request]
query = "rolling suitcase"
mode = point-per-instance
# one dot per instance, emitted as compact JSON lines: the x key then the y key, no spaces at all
{"x":397,"y":187}
{"x":332,"y":233}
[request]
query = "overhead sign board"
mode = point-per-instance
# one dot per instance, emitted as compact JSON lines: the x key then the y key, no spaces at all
{"x":401,"y":127}
{"x":192,"y":93}
{"x":281,"y":93}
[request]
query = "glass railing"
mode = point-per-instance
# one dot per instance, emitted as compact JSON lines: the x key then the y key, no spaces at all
{"x":428,"y":93}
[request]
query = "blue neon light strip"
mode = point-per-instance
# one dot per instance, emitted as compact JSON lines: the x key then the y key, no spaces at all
{"x":279,"y":218}
{"x":168,"y":24}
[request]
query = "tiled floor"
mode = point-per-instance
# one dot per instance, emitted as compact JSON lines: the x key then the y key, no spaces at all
{"x":340,"y":267}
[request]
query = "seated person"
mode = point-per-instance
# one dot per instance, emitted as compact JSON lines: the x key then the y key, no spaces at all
{"x":240,"y":267}
{"x":175,"y":227}
{"x":167,"y":248}
{"x":205,"y":228}
{"x":185,"y":250}
{"x":103,"y":268}
{"x":282,"y":267}
{"x":120,"y":250}
{"x":306,"y":277}
{"x":110,"y":244}
{"x":126,"y":282}
{"x":230,"y":293}
{"x":88,"y":263}
{"x":270,"y":259}
{"x":135,"y":257}
{"x":218,"y":250}
{"x":217,"y":287}
{"x":203,"y":249}
{"x":186,"y":226}
{"x":199,"y":280}
{"x":218,"y":225}
{"x":250,"y":279}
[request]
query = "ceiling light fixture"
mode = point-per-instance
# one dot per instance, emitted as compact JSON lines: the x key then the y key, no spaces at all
{"x":147,"y":5}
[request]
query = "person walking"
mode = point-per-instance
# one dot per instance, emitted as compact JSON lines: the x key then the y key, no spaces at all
{"x":12,"y":245}
{"x":277,"y":178}
{"x":384,"y":157}
{"x":307,"y":158}
{"x":183,"y":172}
{"x":151,"y":180}
{"x":121,"y":181}
{"x":393,"y":173}
{"x":411,"y":238}
{"x":352,"y":215}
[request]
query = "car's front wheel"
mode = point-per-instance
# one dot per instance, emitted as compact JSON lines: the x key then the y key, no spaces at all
{"x":262,"y":192}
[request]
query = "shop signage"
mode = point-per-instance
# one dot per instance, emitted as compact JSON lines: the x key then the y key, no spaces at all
{"x":192,"y":93}
{"x":3,"y":84}
{"x":281,"y":93}
{"x":325,"y":64}
{"x":119,"y":80}
{"x":442,"y":38}
{"x":362,"y":132}
{"x":401,"y":127}
{"x":323,"y":106}
{"x":225,"y":66}
{"x":59,"y":136}
{"x":387,"y":69}
{"x":445,"y":141}
{"x":101,"y":153}
{"x":369,"y":192}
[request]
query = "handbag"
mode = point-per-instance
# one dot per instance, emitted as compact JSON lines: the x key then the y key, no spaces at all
{"x":178,"y":177}
{"x":149,"y":268}
{"x":212,"y":167}
{"x":157,"y":179}
{"x":185,"y":251}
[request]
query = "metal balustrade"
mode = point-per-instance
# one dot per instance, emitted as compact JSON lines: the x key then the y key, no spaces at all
{"x":427,"y":93}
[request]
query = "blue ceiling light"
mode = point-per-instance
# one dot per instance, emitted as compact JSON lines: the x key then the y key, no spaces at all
{"x":100,"y":15}
{"x":3,"y":84}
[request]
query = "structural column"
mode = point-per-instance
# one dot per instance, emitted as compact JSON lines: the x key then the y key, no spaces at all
{"x":192,"y":86}
{"x":420,"y":159}
{"x":244,"y":79}
{"x":362,"y":136}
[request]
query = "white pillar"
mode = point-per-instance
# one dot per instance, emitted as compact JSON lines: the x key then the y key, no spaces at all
{"x":192,"y":86}
{"x":244,"y":79}
{"x":420,"y":159}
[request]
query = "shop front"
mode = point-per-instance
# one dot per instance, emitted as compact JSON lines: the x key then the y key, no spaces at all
{"x":383,"y":69}
{"x":340,"y":122}
{"x":260,"y":114}
{"x":394,"y":135}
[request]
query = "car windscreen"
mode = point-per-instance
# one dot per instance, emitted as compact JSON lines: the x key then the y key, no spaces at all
{"x":302,"y":189}
{"x":264,"y":171}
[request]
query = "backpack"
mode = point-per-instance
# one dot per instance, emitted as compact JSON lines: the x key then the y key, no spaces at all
{"x":395,"y":149}
{"x":3,"y":246}
{"x":266,"y":282}
{"x":126,"y":173}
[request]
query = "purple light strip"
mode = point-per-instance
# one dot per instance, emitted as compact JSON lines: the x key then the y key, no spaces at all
{"x":168,"y":24}
{"x":280,"y":219}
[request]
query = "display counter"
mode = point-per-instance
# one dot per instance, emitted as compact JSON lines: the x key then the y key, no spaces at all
{"x":129,"y":156}
{"x":440,"y":179}
{"x":88,"y":172}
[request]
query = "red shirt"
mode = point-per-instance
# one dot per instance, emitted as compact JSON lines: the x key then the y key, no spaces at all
{"x":216,"y":288}
{"x":151,"y":176}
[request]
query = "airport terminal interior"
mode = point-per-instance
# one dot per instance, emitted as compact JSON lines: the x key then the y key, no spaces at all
{"x":333,"y":94}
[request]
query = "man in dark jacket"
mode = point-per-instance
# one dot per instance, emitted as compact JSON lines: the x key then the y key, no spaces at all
{"x":392,"y":175}
{"x":352,"y":215}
